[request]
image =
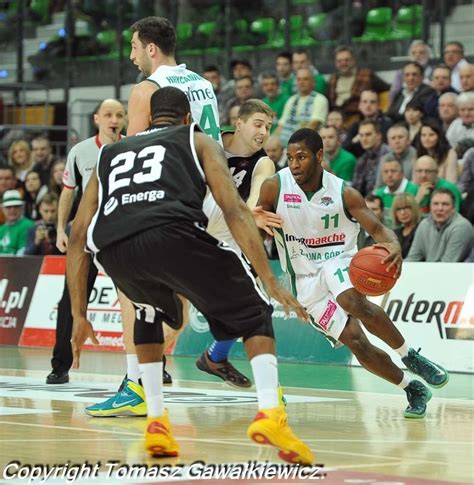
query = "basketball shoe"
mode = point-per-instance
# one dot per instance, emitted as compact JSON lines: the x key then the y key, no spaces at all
{"x":433,"y":374}
{"x":128,"y":401}
{"x":224,"y":370}
{"x":281,"y":397}
{"x":159,"y":440}
{"x":418,"y":395}
{"x":270,"y":427}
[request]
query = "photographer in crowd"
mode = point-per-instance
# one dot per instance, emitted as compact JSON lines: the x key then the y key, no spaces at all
{"x":41,"y":238}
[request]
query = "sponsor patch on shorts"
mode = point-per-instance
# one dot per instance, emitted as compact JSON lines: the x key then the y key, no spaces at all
{"x":326,"y":318}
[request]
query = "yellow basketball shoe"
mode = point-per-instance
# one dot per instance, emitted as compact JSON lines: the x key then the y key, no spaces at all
{"x":128,"y":401}
{"x":281,"y":397}
{"x":270,"y":427}
{"x":159,"y":440}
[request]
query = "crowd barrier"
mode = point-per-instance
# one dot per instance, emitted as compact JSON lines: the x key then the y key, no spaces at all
{"x":432,"y":305}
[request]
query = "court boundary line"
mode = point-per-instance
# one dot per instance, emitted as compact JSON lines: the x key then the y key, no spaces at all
{"x":223,"y":386}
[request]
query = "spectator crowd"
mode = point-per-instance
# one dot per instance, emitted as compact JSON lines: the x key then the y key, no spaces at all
{"x":407,"y":147}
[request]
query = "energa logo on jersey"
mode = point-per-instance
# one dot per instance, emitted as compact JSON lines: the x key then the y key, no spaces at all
{"x":110,"y":206}
{"x":125,"y":199}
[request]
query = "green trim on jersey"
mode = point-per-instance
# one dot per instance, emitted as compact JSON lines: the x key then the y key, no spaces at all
{"x":330,"y":339}
{"x":152,"y":81}
{"x":279,"y":190}
{"x":310,"y":194}
{"x":227,"y":129}
{"x":346,"y":212}
{"x":289,"y":267}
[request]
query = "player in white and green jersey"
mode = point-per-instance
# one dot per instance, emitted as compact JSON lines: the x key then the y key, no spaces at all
{"x":316,"y":242}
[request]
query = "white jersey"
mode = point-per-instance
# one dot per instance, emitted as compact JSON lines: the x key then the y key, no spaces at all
{"x":199,"y":92}
{"x":315,"y":228}
{"x":205,"y":113}
{"x":81,"y":162}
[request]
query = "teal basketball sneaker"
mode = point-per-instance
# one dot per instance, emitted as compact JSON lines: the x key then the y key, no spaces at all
{"x":128,"y":401}
{"x":433,"y":374}
{"x":418,"y":395}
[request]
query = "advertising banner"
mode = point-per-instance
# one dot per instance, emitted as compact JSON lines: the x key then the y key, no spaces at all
{"x":433,"y":307}
{"x":103,"y":310}
{"x":17,"y":282}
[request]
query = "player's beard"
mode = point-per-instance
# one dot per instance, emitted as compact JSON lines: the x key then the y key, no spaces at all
{"x":146,"y":67}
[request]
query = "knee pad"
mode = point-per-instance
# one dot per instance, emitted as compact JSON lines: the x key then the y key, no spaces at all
{"x":148,"y":333}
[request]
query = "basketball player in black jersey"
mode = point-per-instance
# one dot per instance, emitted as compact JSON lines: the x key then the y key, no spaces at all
{"x":249,"y":166}
{"x":142,"y":217}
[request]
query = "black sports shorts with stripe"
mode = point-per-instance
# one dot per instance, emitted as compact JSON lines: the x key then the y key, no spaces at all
{"x":154,"y":265}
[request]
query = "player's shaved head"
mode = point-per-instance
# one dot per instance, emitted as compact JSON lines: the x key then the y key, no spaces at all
{"x":169,"y":102}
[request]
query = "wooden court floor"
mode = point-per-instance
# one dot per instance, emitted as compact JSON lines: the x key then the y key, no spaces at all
{"x":352,"y":421}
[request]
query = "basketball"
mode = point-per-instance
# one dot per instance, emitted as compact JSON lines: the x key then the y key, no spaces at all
{"x":368,"y":275}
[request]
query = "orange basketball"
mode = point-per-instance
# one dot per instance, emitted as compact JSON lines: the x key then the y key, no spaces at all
{"x":368,"y":275}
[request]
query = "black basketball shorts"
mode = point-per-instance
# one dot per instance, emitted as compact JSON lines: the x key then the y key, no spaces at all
{"x":152,"y":266}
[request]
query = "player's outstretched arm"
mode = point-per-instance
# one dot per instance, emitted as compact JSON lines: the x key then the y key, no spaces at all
{"x":264,"y":169}
{"x":239,"y":219}
{"x":78,"y":268}
{"x":139,"y":107}
{"x":385,"y":237}
{"x":265,"y":217}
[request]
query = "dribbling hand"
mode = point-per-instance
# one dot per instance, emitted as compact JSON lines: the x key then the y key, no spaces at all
{"x":81,"y":331}
{"x":394,"y":258}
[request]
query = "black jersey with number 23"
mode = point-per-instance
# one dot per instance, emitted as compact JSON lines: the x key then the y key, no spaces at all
{"x":146,"y":181}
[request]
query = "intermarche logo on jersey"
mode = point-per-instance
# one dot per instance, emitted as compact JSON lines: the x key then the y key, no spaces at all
{"x":335,"y":239}
{"x":292,"y":198}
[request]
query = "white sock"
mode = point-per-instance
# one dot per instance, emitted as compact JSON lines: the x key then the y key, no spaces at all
{"x":265,"y":374}
{"x":405,"y":381}
{"x":403,"y":350}
{"x":133,"y":371}
{"x":152,"y":378}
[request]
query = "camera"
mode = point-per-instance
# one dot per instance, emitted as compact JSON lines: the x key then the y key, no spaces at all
{"x":51,"y":232}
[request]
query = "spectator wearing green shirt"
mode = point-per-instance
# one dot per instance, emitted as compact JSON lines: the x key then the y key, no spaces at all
{"x":13,"y":232}
{"x":340,"y":161}
{"x":425,"y":174}
{"x":394,"y":183}
{"x":274,"y":99}
{"x":301,"y":58}
{"x":283,"y":69}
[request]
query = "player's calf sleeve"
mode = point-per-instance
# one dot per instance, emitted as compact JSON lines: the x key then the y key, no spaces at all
{"x":219,"y":350}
